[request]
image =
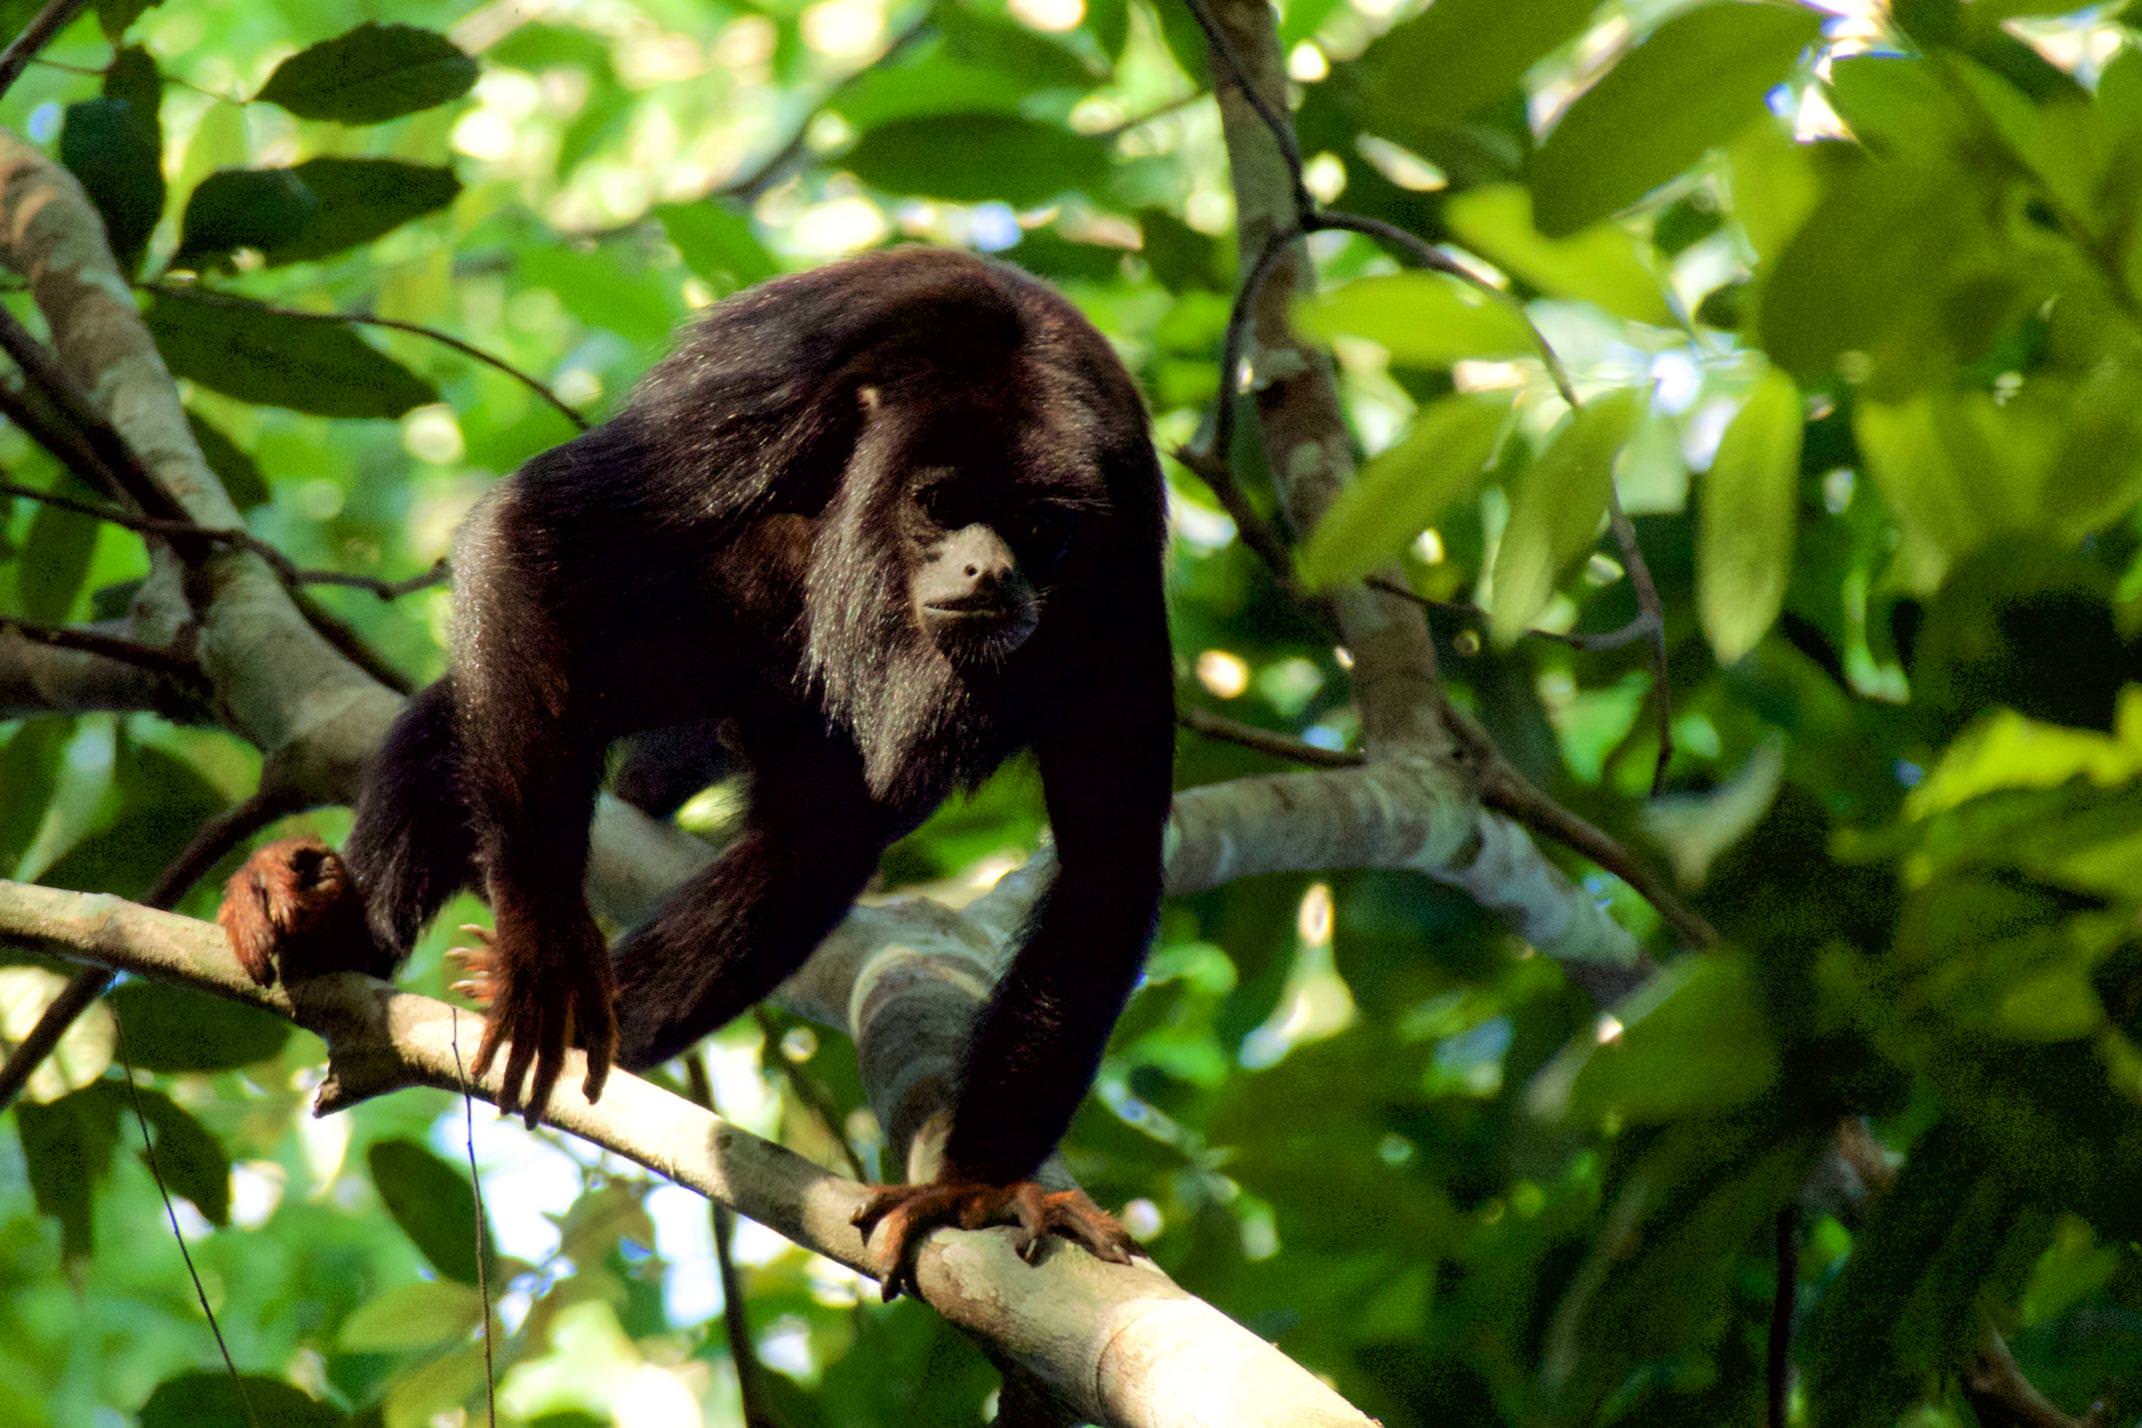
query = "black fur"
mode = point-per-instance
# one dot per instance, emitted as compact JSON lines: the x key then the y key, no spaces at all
{"x":742,"y":544}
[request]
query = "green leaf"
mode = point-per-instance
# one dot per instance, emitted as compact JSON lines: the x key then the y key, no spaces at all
{"x":1694,"y":84}
{"x":433,"y":1204}
{"x":372,"y":73}
{"x":212,"y":1399}
{"x":974,"y":157}
{"x":1036,"y":61}
{"x":1906,"y":1308}
{"x":1947,"y":464}
{"x":1555,"y":510}
{"x":67,"y":1146}
{"x":412,"y":1316}
{"x":190,"y":1159}
{"x":321,"y":206}
{"x":274,"y":359}
{"x":1750,"y":508}
{"x":118,"y":16}
{"x":358,"y":200}
{"x":1440,"y":462}
{"x":1694,"y":1039}
{"x":1461,"y":55}
{"x":1421,"y":318}
{"x":55,"y":562}
{"x":29,"y":771}
{"x":717,"y":243}
{"x":233,"y":466}
{"x":243,"y":208}
{"x":115,"y":147}
{"x":1604,"y":264}
{"x":179,"y":1029}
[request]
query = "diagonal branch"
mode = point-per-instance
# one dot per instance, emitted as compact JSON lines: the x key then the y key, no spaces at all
{"x":1122,"y":1344}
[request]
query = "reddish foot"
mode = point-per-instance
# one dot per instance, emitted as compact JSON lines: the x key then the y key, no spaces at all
{"x":909,"y":1212}
{"x":293,"y":907}
{"x":536,"y":1005}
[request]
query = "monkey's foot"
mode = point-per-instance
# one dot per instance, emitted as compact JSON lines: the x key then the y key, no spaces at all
{"x":909,"y":1212}
{"x":536,"y":1006}
{"x":293,"y":908}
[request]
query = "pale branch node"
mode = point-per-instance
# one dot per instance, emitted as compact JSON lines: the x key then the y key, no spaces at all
{"x":1122,"y":1345}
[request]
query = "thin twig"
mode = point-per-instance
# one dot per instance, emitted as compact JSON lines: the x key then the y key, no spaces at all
{"x":1266,"y":741}
{"x":186,"y":293}
{"x":735,"y":1325}
{"x":1778,"y":1369}
{"x":287,"y":570}
{"x":214,"y":838}
{"x":148,"y":1152}
{"x":807,"y":1091}
{"x":121,"y":468}
{"x":35,"y":36}
{"x":143,"y":656}
{"x":483,"y":1279}
{"x":1637,"y":629}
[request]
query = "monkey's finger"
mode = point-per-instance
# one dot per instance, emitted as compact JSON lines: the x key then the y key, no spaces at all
{"x":520,"y":1051}
{"x":549,"y":1062}
{"x":600,"y":1039}
{"x":1031,"y":1211}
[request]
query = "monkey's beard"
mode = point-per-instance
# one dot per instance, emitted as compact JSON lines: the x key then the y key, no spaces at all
{"x":922,"y":722}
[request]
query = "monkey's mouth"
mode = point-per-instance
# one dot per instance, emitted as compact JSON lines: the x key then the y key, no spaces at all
{"x":969,"y":631}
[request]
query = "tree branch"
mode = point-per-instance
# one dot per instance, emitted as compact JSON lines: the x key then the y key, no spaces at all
{"x":1121,"y":1343}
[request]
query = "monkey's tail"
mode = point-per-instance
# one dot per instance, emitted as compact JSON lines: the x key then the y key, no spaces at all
{"x":412,"y":848}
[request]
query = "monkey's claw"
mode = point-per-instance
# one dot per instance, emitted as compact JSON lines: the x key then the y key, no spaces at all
{"x":909,"y":1212}
{"x":542,"y":992}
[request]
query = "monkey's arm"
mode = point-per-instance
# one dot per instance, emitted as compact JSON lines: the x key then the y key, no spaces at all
{"x":1036,"y":1045}
{"x":531,"y":756}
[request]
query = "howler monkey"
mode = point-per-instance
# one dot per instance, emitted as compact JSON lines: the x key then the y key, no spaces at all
{"x":888,"y":522}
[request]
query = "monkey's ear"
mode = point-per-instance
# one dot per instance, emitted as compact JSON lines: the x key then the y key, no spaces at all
{"x":869,"y":399}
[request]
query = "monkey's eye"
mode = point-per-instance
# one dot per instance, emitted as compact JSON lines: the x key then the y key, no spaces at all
{"x":1048,"y":535}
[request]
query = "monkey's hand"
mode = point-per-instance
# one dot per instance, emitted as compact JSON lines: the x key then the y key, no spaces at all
{"x":294,"y":906}
{"x":542,"y":990}
{"x":909,"y":1212}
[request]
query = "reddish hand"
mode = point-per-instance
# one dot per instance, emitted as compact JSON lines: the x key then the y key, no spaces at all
{"x":541,"y":992}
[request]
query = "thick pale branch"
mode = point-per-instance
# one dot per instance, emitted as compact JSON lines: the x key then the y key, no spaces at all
{"x":1120,"y":1344}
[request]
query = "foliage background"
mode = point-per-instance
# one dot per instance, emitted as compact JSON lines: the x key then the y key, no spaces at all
{"x":1872,"y":283}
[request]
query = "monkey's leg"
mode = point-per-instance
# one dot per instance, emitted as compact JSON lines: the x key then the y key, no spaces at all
{"x":728,"y":937}
{"x":412,"y":847}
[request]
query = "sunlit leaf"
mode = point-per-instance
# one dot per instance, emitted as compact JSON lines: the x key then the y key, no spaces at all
{"x":413,"y":1316}
{"x":1750,"y":506}
{"x":1604,"y":263}
{"x":975,"y":157}
{"x":1555,"y":510}
{"x":1440,"y":462}
{"x":1694,"y":84}
{"x":1421,"y":318}
{"x":1461,"y":54}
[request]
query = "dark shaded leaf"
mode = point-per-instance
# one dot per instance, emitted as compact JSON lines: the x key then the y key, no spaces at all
{"x":1694,"y":84}
{"x":114,"y":145}
{"x":67,"y":1144}
{"x":190,"y":1159}
{"x":305,"y":364}
{"x":237,"y":470}
{"x":243,"y":208}
{"x":433,"y":1204}
{"x":118,"y":16}
{"x":212,"y":1400}
{"x":29,"y":770}
{"x":179,"y":1029}
{"x":372,"y":73}
{"x":358,"y":200}
{"x":1906,"y":1307}
{"x":55,"y":561}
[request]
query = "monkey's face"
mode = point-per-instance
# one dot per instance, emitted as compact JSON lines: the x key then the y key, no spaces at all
{"x":974,"y":564}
